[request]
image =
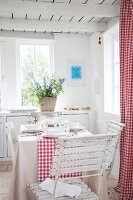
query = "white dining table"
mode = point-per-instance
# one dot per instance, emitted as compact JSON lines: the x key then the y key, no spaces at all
{"x":26,"y":170}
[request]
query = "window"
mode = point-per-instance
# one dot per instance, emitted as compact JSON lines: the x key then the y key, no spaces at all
{"x":34,"y":60}
{"x":0,"y":71}
{"x":2,"y":80}
{"x":111,"y":74}
{"x":116,"y":88}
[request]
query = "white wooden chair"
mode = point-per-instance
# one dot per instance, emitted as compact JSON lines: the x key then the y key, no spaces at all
{"x":78,"y":154}
{"x":113,"y":127}
{"x":12,"y":139}
{"x":13,"y":142}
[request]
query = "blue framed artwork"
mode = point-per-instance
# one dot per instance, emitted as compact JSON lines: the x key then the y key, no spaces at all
{"x":76,"y":73}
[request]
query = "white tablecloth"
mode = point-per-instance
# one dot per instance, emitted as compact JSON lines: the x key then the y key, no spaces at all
{"x":25,"y":171}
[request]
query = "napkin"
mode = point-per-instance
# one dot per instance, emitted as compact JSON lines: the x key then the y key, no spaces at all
{"x":62,"y":189}
{"x":29,"y":128}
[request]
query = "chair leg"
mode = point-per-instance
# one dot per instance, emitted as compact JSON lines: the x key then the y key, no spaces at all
{"x":112,"y":191}
{"x":53,"y":195}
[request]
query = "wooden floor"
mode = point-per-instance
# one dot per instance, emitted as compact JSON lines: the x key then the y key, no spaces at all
{"x":5,"y":172}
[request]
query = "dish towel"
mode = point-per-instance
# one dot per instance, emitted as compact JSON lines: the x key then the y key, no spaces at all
{"x":62,"y":189}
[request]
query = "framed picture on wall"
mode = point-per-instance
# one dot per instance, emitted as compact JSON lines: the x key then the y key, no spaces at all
{"x":76,"y":73}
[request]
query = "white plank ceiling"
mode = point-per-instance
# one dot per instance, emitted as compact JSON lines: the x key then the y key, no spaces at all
{"x":57,"y":16}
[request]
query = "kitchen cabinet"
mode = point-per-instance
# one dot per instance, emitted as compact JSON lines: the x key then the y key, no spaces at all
{"x":85,"y":118}
{"x":17,"y":119}
{"x":82,"y":119}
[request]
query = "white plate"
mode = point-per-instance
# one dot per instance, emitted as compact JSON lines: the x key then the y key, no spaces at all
{"x":30,"y":128}
{"x":31,"y":131}
{"x":55,"y":132}
{"x":55,"y":129}
{"x":54,"y":135}
{"x":74,"y":126}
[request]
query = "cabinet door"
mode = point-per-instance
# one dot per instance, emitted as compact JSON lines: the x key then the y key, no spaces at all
{"x":1,"y":138}
{"x":17,"y":121}
{"x":80,"y":118}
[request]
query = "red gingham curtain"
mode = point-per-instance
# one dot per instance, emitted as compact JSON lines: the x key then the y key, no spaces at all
{"x":125,"y":184}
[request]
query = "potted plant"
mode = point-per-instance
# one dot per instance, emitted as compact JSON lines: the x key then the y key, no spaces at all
{"x":43,"y":92}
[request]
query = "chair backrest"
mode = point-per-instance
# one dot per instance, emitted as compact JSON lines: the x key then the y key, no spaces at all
{"x":85,"y":154}
{"x":113,"y":127}
{"x":81,"y":154}
{"x":12,"y":138}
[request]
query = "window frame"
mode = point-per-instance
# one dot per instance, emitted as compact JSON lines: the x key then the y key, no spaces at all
{"x":109,"y":40}
{"x":116,"y":39}
{"x":50,"y":43}
{"x":2,"y":74}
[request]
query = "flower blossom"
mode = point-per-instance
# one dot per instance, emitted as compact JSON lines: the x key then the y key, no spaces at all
{"x":50,"y":88}
{"x":38,"y":86}
{"x":62,"y":80}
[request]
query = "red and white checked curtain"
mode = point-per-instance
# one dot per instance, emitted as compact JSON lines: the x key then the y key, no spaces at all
{"x":125,"y":184}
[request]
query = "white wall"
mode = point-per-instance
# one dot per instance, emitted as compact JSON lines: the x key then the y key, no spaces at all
{"x":110,"y":36}
{"x":96,"y":78}
{"x":98,"y":59}
{"x":8,"y":73}
{"x":72,"y":48}
{"x":66,"y":48}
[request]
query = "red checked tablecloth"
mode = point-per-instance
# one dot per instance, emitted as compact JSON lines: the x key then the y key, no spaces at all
{"x":46,"y":148}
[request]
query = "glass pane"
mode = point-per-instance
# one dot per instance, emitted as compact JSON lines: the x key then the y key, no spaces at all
{"x":42,"y":60}
{"x":26,"y":69}
{"x":42,"y":56}
{"x":34,"y":59}
{"x":26,"y":62}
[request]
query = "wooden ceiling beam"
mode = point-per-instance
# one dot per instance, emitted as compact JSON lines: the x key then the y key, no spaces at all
{"x":41,"y":25}
{"x":40,"y":8}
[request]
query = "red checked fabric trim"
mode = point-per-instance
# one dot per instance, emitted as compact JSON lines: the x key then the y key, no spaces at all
{"x":125,"y":185}
{"x":46,"y":148}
